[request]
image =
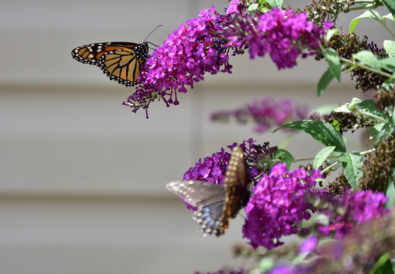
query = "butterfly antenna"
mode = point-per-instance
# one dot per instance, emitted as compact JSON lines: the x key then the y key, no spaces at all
{"x":158,"y":26}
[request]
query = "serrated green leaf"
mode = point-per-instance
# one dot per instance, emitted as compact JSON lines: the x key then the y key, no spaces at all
{"x":352,"y":164}
{"x":367,"y":14}
{"x":389,"y":47}
{"x":330,"y":34}
{"x":376,"y":129}
{"x":388,"y":63}
{"x":388,"y":16}
{"x":321,"y":131}
{"x":275,"y":3}
{"x":262,"y":2}
{"x":386,"y":130}
{"x":284,"y":156}
{"x":366,"y":57}
{"x":324,"y":81}
{"x":390,"y":4}
{"x":252,"y":8}
{"x":322,"y":155}
{"x":368,"y":108}
{"x":333,"y":59}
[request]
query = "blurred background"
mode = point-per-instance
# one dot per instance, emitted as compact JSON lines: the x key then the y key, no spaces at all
{"x":82,"y":178}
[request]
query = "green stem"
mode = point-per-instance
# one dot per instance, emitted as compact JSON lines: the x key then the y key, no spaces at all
{"x":330,"y":166}
{"x":353,"y":63}
{"x":304,"y":159}
{"x":371,"y":116}
{"x":367,"y":151}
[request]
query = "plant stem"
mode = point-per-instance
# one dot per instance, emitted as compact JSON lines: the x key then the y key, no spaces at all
{"x":353,"y":63}
{"x":304,"y":159}
{"x":367,"y":151}
{"x":330,"y":166}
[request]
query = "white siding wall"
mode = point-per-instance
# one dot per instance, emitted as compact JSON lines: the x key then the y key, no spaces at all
{"x":82,"y":178}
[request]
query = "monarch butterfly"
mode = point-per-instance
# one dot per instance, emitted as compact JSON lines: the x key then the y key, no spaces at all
{"x":120,"y":61}
{"x":216,"y":204}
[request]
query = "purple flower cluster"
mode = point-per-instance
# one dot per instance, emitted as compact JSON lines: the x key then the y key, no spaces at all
{"x":356,"y":252}
{"x":266,"y":113}
{"x":202,"y":45}
{"x":283,"y":34}
{"x":356,"y":208}
{"x":233,"y":6}
{"x":211,"y":169}
{"x":277,"y":205}
{"x":195,"y":48}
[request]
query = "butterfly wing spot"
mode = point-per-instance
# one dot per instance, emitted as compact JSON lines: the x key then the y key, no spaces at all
{"x":208,"y":218}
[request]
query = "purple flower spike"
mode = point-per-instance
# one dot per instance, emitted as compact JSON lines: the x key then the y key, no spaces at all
{"x":195,"y":48}
{"x":283,"y":34}
{"x":266,"y":113}
{"x":277,"y":205}
{"x":357,"y":208}
{"x":202,"y":45}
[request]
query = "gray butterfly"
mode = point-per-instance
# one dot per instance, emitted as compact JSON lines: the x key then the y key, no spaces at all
{"x":216,"y":204}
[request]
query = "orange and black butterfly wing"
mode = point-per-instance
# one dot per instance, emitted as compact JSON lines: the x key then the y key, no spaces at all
{"x":120,"y":61}
{"x":236,"y":187}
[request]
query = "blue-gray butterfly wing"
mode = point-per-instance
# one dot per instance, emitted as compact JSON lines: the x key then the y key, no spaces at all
{"x":198,"y":193}
{"x":217,"y":204}
{"x":208,"y":198}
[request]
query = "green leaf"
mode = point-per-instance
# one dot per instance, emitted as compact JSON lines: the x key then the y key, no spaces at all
{"x":322,"y":155}
{"x":355,"y":101}
{"x":366,"y":57}
{"x":324,"y":81}
{"x":322,"y":132}
{"x":390,"y":193}
{"x":275,"y":3}
{"x":383,"y":265}
{"x":368,"y":108}
{"x":376,"y":129}
{"x":333,"y":59}
{"x":389,"y":47}
{"x":252,"y":8}
{"x":330,"y":34}
{"x":283,"y":155}
{"x":381,"y":130}
{"x":390,"y":4}
{"x":388,"y":16}
{"x":388,"y":63}
{"x":352,"y":164}
{"x":367,"y":14}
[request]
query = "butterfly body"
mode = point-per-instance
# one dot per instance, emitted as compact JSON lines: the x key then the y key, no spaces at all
{"x":120,"y":61}
{"x":216,"y":204}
